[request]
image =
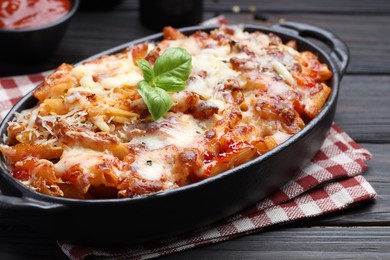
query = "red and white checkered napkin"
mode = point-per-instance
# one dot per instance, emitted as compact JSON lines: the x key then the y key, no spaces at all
{"x":330,"y":182}
{"x":13,"y":88}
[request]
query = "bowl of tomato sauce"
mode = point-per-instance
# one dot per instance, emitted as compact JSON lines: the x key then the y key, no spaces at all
{"x":30,"y":30}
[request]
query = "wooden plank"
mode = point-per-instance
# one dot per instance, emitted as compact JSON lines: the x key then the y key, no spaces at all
{"x":316,"y":6}
{"x":363,"y":108}
{"x":369,"y":45}
{"x":361,"y":6}
{"x":368,"y":42}
{"x":280,"y":243}
{"x":20,"y":242}
{"x":300,"y":243}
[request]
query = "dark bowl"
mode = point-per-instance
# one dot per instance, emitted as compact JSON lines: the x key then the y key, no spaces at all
{"x":173,"y":212}
{"x":33,"y":45}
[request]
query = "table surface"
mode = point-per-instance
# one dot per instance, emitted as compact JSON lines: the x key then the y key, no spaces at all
{"x":363,"y":111}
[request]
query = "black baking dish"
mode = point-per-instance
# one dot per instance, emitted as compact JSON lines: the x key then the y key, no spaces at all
{"x":172,"y":212}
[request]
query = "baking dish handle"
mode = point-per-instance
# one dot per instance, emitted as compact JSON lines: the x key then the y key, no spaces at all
{"x":27,"y":205}
{"x":339,"y":50}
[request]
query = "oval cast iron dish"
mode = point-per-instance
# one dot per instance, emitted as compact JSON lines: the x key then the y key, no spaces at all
{"x":172,"y":212}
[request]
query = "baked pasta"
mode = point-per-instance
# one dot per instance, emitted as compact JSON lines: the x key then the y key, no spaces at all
{"x":91,"y":136}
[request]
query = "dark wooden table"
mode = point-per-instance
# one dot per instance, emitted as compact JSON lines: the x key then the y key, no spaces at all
{"x":363,"y":111}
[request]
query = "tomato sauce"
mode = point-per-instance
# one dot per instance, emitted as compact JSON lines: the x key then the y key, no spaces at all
{"x":23,"y":14}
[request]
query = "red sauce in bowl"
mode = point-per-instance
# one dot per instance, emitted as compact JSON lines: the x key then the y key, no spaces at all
{"x":24,"y":14}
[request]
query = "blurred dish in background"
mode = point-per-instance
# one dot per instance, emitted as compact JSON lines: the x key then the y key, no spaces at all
{"x":23,"y":14}
{"x":156,"y":14}
{"x":33,"y":42}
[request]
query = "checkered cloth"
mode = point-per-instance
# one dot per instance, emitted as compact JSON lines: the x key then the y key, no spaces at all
{"x":13,"y":88}
{"x":329,"y":183}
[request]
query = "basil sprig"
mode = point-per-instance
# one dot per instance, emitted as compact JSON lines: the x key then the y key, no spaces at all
{"x":170,"y":73}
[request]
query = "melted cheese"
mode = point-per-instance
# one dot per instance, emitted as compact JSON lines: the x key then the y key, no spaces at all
{"x":200,"y":86}
{"x":110,"y":66}
{"x":280,"y":137}
{"x":279,"y":88}
{"x":182,"y":132}
{"x":84,"y":157}
{"x":129,"y":79}
{"x":88,"y":82}
{"x":151,"y":165}
{"x":283,"y":72}
{"x":217,"y":69}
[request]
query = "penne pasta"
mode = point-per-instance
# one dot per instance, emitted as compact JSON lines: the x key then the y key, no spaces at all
{"x":114,"y":111}
{"x":55,"y":106}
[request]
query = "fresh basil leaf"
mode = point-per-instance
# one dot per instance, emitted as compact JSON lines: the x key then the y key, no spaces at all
{"x":156,"y":99}
{"x":174,"y":64}
{"x":170,"y":84}
{"x":147,"y":70}
{"x":170,"y":73}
